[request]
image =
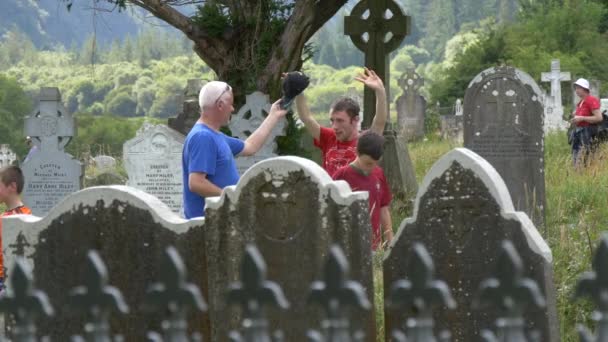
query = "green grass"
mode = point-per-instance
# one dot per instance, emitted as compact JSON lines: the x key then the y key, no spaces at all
{"x":576,"y":214}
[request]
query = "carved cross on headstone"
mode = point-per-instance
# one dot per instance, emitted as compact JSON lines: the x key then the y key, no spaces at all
{"x":96,"y":298}
{"x":509,"y":291}
{"x":252,"y":294}
{"x":335,"y":293}
{"x":24,"y":302}
{"x":556,"y":77}
{"x":175,"y":296}
{"x":420,"y":292}
{"x":20,"y":245}
{"x":506,"y":101}
{"x":368,"y":26}
{"x":51,"y":126}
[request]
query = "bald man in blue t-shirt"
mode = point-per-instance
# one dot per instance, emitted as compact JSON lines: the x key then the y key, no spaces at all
{"x":208,"y":157}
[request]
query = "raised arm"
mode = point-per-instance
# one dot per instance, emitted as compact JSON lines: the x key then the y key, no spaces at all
{"x":255,"y":141}
{"x":370,"y":79}
{"x":312,"y":126}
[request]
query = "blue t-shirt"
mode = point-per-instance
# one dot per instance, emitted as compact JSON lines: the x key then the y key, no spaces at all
{"x":210,"y":152}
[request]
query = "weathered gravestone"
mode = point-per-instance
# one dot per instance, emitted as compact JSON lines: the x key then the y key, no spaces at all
{"x":50,"y":174}
{"x":247,"y":120}
{"x":368,"y":26}
{"x":451,"y":128}
{"x":153,"y":160}
{"x":7,"y":156}
{"x":411,"y":106}
{"x":293,"y":211}
{"x":555,"y":109}
{"x":462,"y":214}
{"x":503,"y":123}
{"x":104,"y":163}
{"x":191,"y":111}
{"x":130,"y":229}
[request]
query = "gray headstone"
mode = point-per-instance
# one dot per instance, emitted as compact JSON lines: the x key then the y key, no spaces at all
{"x":247,"y":120}
{"x":130,"y":229}
{"x":503,"y":123}
{"x":7,"y":156}
{"x":293,"y":211}
{"x":451,"y":128}
{"x":153,"y":160}
{"x":191,"y":111}
{"x":50,"y":174}
{"x":104,"y":163}
{"x":411,"y":106}
{"x":462,"y":213}
{"x":555,"y":109}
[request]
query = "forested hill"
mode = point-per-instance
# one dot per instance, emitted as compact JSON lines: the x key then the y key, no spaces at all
{"x":47,"y":23}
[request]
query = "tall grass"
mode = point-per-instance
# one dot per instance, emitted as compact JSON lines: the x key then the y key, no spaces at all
{"x":576,"y":214}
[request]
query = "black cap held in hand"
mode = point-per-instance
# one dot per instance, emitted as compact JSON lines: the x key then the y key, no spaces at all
{"x":293,"y":85}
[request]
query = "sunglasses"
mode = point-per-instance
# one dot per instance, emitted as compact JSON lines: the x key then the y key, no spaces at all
{"x":222,"y":94}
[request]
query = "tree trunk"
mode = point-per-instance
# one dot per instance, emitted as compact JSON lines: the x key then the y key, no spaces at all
{"x":235,"y":53}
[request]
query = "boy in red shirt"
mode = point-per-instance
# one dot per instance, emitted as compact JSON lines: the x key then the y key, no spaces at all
{"x":11,"y":186}
{"x":364,"y":174}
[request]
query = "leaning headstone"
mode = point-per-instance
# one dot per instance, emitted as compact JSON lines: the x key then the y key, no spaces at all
{"x":462,"y":214}
{"x":503,"y":123}
{"x":7,"y":156}
{"x":153,"y":161}
{"x":247,"y":120}
{"x":555,"y":109}
{"x":411,"y":106}
{"x":104,"y":163}
{"x":191,"y":111}
{"x":292,"y":210}
{"x":129,"y":229}
{"x":50,"y":174}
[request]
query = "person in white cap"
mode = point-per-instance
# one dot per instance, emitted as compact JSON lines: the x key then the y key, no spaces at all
{"x":208,"y":163}
{"x":585,"y":117}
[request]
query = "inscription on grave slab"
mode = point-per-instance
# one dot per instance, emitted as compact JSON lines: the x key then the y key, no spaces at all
{"x":153,"y":160}
{"x":504,"y":123}
{"x":50,"y":174}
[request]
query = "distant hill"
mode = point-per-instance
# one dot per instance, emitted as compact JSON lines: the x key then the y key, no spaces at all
{"x":48,"y":22}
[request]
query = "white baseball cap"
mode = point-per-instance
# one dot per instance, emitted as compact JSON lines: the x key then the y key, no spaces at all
{"x":211,"y":92}
{"x":582,"y":83}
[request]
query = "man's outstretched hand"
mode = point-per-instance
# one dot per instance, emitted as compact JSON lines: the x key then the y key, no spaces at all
{"x":370,"y":79}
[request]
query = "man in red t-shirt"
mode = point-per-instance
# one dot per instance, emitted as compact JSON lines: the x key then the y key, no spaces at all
{"x":339,"y":143}
{"x":585,"y":117}
{"x":364,"y":174}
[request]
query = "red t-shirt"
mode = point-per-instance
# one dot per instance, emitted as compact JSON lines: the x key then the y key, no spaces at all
{"x":585,"y":108}
{"x":15,"y":211}
{"x":336,"y":154}
{"x":379,"y":194}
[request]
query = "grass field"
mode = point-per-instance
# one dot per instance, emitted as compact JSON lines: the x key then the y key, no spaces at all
{"x":576,"y":214}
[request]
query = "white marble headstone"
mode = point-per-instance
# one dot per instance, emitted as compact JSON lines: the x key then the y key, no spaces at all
{"x":554,"y":109}
{"x":153,"y":161}
{"x":50,"y":174}
{"x":458,"y":108}
{"x":247,"y":120}
{"x":7,"y":156}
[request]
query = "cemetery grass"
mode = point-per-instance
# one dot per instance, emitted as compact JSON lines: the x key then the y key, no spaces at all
{"x":576,"y":216}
